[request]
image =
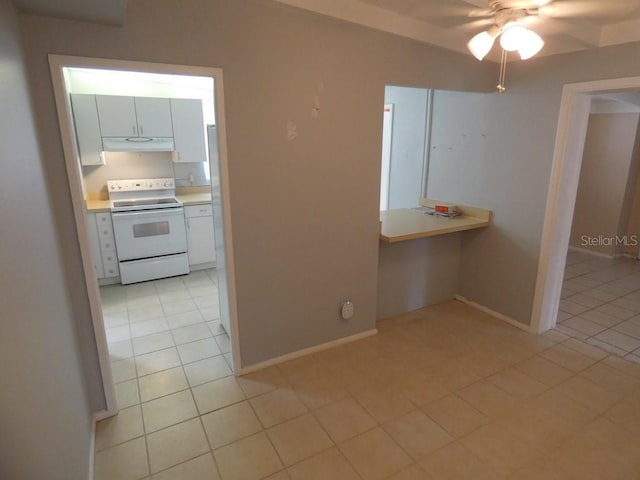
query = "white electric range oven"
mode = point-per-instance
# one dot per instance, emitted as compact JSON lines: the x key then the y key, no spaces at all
{"x":149,"y":229}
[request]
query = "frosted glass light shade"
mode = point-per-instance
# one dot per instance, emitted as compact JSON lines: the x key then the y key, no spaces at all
{"x":481,"y":44}
{"x":532,"y":43}
{"x":513,"y":37}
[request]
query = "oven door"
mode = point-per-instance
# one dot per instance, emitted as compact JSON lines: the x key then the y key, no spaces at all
{"x":149,"y":233}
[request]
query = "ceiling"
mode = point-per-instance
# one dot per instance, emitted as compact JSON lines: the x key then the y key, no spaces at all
{"x":565,"y":25}
{"x":99,"y":11}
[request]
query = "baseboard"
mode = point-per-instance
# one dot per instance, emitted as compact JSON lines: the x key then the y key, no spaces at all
{"x":306,"y":351}
{"x":592,"y":253}
{"x":92,"y":447}
{"x":202,"y":266}
{"x":495,"y":314}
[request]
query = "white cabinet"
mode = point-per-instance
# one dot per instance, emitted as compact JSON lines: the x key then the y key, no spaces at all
{"x":103,"y":245}
{"x":88,"y":137}
{"x":134,"y":116}
{"x":188,"y":130}
{"x":201,"y":247}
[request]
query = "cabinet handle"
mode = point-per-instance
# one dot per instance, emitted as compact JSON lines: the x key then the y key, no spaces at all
{"x":188,"y":225}
{"x":141,"y":130}
{"x":134,"y":129}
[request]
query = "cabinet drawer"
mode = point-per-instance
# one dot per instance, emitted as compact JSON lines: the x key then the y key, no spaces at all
{"x":109,"y":257}
{"x":111,"y":270}
{"x":104,"y":219}
{"x":192,"y":211}
{"x":107,"y":244}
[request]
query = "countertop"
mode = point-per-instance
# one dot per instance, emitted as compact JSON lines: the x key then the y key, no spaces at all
{"x":407,"y":224}
{"x":97,"y":203}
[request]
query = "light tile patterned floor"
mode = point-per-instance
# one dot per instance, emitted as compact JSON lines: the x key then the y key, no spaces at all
{"x":443,"y":393}
{"x":601,"y":303}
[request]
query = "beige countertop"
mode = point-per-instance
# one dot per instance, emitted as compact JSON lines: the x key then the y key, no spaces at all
{"x":98,"y":202}
{"x":407,"y":224}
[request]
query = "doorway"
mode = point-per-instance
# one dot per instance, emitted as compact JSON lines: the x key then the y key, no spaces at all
{"x":561,"y":200}
{"x":188,"y":304}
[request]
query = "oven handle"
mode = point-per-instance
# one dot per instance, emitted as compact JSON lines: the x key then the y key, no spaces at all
{"x":177,"y":211}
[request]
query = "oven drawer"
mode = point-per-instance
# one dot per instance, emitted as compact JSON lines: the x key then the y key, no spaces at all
{"x":192,"y":211}
{"x":149,"y":233}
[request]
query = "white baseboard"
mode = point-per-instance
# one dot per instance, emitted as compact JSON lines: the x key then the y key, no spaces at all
{"x":92,"y":447}
{"x":592,"y":253}
{"x":495,"y":314}
{"x":306,"y":351}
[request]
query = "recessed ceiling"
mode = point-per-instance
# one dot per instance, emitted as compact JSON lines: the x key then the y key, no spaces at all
{"x":565,"y":25}
{"x":99,"y":11}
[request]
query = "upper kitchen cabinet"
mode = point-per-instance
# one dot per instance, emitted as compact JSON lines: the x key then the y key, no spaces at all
{"x":188,"y":130}
{"x":85,"y":119}
{"x":122,"y":116}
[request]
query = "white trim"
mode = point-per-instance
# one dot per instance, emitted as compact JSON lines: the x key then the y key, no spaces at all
{"x":495,"y":314}
{"x":92,"y":447}
{"x":306,"y":351}
{"x":563,"y":185}
{"x":74,"y":174}
{"x":592,"y":253}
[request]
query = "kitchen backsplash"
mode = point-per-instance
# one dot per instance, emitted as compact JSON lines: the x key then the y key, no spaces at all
{"x":124,"y":165}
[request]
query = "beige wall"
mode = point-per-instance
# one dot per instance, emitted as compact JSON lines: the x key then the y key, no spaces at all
{"x":305,"y":212}
{"x":603,"y":199}
{"x":45,"y":426}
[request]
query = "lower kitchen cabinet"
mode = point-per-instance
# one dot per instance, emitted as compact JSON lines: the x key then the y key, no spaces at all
{"x":103,"y":245}
{"x":201,"y":247}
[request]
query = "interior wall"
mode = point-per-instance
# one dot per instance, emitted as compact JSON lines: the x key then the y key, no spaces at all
{"x":407,"y":144}
{"x":304,"y":211}
{"x":499,"y":266}
{"x":44,"y":404}
{"x":603,"y":201}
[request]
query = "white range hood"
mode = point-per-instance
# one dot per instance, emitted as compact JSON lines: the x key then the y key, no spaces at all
{"x":138,"y":144}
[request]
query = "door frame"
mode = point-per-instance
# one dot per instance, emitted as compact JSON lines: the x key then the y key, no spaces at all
{"x":57,"y":63}
{"x":561,"y":197}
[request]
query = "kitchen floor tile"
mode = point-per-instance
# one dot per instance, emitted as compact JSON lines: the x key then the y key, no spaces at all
{"x":162,"y":383}
{"x":619,"y":340}
{"x":455,"y":462}
{"x":127,"y":461}
{"x":230,"y":424}
{"x":176,"y":444}
{"x":168,"y":410}
{"x":217,"y":394}
{"x":191,"y":333}
{"x":152,"y":343}
{"x":148,"y":327}
{"x":206,"y":370}
{"x":157,"y":361}
{"x":198,"y":350}
{"x":125,"y":426}
{"x":127,"y":393}
{"x":344,"y":419}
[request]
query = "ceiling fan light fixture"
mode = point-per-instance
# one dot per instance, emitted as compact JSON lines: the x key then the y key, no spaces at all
{"x":532,"y":43}
{"x":513,"y":36}
{"x":481,"y":44}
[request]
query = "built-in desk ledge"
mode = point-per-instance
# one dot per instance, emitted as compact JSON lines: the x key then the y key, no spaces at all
{"x":407,"y":224}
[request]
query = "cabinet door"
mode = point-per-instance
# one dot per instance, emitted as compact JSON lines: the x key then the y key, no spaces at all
{"x":200,"y":243}
{"x":87,"y":126}
{"x":94,"y":239}
{"x":188,"y":130}
{"x":117,"y":116}
{"x":154,"y":117}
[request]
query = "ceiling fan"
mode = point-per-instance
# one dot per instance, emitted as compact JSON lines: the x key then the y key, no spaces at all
{"x":508,"y":17}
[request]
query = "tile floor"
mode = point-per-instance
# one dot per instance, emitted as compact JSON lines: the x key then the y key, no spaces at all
{"x":601,"y":303}
{"x":443,"y":393}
